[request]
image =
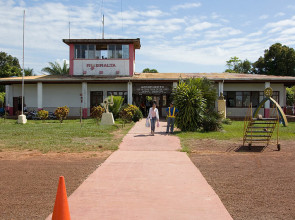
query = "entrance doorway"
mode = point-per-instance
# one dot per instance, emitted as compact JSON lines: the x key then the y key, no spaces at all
{"x":145,"y":93}
{"x":145,"y":102}
{"x":17,"y":105}
{"x":96,"y":98}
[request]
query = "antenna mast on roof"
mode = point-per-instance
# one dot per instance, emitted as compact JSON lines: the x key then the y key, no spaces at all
{"x":69,"y":30}
{"x":102,"y":26}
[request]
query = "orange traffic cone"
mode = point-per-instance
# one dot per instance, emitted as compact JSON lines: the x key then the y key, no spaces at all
{"x":61,"y":207}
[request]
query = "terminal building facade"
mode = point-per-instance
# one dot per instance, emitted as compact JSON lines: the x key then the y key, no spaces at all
{"x":103,"y":67}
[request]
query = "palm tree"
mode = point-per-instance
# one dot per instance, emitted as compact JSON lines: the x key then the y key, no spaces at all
{"x":29,"y":72}
{"x":56,"y":69}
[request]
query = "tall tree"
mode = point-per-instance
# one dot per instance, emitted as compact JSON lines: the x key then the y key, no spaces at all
{"x":9,"y":66}
{"x":235,"y":65}
{"x":147,"y":70}
{"x":277,"y":60}
{"x":56,"y":69}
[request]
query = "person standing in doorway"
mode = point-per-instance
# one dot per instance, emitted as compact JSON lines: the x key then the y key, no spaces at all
{"x":171,"y":113}
{"x":154,"y":117}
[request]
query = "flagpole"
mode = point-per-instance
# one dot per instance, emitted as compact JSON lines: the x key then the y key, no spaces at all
{"x":22,"y":118}
{"x":23,"y":80}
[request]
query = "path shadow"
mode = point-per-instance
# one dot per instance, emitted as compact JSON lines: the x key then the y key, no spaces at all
{"x":250,"y":149}
{"x":142,"y":135}
{"x":156,"y":133}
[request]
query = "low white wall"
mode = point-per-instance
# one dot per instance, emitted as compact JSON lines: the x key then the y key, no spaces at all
{"x":30,"y":93}
{"x":58,"y":95}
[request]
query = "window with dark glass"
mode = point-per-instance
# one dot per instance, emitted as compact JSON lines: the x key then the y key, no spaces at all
{"x":231,"y":99}
{"x":91,"y":51}
{"x":243,"y":99}
{"x":118,"y":51}
{"x":255,"y":99}
{"x":104,"y":51}
{"x":246,"y":99}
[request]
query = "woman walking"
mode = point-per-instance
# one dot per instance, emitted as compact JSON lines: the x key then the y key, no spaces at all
{"x":154,"y":117}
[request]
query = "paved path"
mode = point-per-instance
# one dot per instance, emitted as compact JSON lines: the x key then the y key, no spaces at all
{"x":147,"y":178}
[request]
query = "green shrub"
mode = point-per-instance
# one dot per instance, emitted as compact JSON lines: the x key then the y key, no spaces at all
{"x":227,"y":121}
{"x":130,"y":113}
{"x":2,"y":95}
{"x":212,"y":122}
{"x":195,"y":99}
{"x":208,"y":91}
{"x":115,"y":109}
{"x":96,"y":113}
{"x":137,"y":115}
{"x":188,"y":99}
{"x":61,"y":113}
{"x":290,"y":96}
{"x":43,"y":114}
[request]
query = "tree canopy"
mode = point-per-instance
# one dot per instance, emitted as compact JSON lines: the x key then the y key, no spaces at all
{"x":277,"y":60}
{"x":235,"y":65}
{"x":56,"y":69}
{"x":9,"y":66}
{"x":147,"y":70}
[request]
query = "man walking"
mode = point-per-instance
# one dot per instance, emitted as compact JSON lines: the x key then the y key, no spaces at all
{"x":171,"y":112}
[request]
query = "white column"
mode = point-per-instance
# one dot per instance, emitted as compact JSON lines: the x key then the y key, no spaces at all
{"x":39,"y":95}
{"x":283,"y":102}
{"x":174,"y":84}
{"x":9,"y":96}
{"x":84,"y":94}
{"x":267,"y":104}
{"x":220,"y":88}
{"x":129,"y":91}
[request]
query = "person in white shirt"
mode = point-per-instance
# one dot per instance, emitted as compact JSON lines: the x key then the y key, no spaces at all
{"x":154,"y":117}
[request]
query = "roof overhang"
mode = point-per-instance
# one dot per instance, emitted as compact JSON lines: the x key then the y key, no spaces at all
{"x":152,"y":78}
{"x":136,"y":41}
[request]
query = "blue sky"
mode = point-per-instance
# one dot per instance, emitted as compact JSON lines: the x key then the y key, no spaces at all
{"x":176,"y":36}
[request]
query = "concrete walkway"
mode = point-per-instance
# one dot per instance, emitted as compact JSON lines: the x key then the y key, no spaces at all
{"x":147,"y":178}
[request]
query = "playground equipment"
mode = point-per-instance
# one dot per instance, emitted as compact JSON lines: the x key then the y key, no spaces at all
{"x":260,"y":130}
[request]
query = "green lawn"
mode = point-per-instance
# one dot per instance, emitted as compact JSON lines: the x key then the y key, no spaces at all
{"x":56,"y":137}
{"x":235,"y":131}
{"x":230,"y":132}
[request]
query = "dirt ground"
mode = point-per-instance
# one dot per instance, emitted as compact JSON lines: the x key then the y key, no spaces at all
{"x":28,"y":181}
{"x":256,"y":184}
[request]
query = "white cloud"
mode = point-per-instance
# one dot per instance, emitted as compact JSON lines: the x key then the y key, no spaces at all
{"x":291,"y":6}
{"x":185,"y":6}
{"x":280,"y":14}
{"x":254,"y":34}
{"x":262,"y":17}
{"x":200,"y":26}
{"x":223,"y":32}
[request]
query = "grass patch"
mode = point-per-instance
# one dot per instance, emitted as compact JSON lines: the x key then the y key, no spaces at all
{"x":235,"y":131}
{"x":230,"y":132}
{"x":54,"y":136}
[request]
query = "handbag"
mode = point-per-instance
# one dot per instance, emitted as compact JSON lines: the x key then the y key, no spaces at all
{"x":158,"y":124}
{"x":147,"y":123}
